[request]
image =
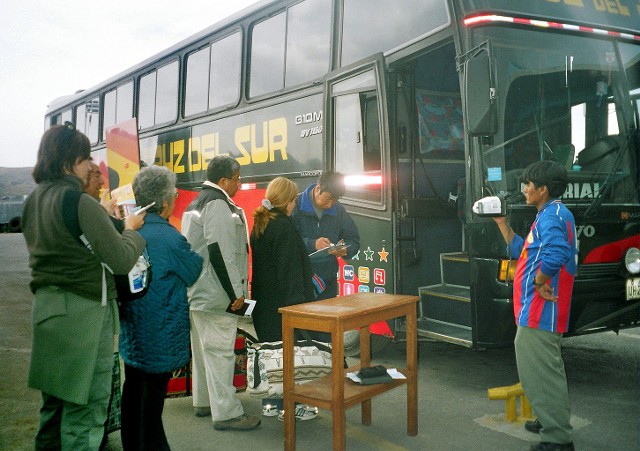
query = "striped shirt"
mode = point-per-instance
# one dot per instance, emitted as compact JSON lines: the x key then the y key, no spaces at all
{"x":550,"y":247}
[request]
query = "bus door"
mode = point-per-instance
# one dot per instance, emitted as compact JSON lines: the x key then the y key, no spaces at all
{"x":357,"y":143}
{"x":429,"y":156}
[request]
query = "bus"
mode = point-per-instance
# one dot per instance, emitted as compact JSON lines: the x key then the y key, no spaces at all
{"x":426,"y":107}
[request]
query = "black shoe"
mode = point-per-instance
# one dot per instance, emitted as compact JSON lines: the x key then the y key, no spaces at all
{"x":533,"y":426}
{"x":548,"y":446}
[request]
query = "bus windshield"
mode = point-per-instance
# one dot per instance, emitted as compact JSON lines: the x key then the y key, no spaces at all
{"x":568,"y":98}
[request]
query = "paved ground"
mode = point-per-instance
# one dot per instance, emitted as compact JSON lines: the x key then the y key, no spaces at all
{"x":454,"y":412}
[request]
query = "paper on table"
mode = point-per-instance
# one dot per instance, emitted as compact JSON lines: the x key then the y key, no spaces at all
{"x":394,"y":373}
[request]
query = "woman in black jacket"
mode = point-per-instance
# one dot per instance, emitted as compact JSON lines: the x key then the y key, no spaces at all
{"x":281,"y":269}
{"x":281,"y":272}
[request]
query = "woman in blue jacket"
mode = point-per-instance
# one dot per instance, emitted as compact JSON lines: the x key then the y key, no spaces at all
{"x":154,"y":338}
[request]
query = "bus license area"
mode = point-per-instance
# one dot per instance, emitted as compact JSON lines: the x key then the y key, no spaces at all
{"x":633,"y":289}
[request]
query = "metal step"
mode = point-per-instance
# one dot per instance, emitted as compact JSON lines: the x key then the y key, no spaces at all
{"x":446,"y":303}
{"x":441,"y":331}
{"x":461,"y":257}
{"x":454,"y":268}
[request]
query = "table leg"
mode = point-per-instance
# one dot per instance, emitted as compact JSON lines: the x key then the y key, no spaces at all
{"x":365,"y":361}
{"x":287,"y":382}
{"x":412,"y":367}
{"x":337,"y":390}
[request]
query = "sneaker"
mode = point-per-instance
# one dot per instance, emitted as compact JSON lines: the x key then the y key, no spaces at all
{"x":548,"y":446}
{"x":533,"y":426}
{"x":270,"y":410}
{"x":242,"y":423}
{"x":303,"y":413}
{"x":202,"y":411}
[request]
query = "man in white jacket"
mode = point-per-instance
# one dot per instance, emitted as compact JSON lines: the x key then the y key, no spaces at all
{"x":216,"y":228}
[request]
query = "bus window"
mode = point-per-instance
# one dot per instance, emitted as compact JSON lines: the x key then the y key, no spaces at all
{"x":563,"y":98}
{"x":158,"y":102}
{"x":197,"y":82}
{"x":308,"y":41}
{"x":213,"y":75}
{"x":366,"y":21}
{"x":167,"y":93}
{"x":124,"y":103}
{"x":357,"y":139}
{"x":118,"y":106}
{"x":87,"y":119}
{"x":147,"y":100}
{"x":67,"y":115}
{"x":226,"y":63}
{"x":579,"y":125}
{"x":267,"y":56}
{"x":298,"y":39}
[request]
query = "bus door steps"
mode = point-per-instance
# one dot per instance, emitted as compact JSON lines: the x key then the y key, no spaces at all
{"x":441,"y":331}
{"x":454,"y":268}
{"x":446,"y":303}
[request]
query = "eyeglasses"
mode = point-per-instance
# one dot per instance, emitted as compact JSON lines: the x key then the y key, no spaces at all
{"x":236,"y":179}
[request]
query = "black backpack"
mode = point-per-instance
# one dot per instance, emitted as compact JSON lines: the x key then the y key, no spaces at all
{"x":130,"y":286}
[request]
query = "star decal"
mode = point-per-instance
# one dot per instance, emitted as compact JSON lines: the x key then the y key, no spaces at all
{"x":357,"y":256}
{"x":383,"y":255}
{"x":368,"y":254}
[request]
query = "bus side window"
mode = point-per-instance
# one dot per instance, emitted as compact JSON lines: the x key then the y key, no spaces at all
{"x":357,"y":143}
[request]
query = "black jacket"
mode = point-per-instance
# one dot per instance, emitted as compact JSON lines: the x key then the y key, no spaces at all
{"x":281,"y":275}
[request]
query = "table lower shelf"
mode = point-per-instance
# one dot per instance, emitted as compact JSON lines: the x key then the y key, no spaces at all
{"x":320,"y":393}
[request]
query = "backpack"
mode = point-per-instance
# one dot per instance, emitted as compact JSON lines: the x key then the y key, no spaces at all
{"x":130,"y":286}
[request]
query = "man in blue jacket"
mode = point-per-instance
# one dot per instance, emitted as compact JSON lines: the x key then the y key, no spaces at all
{"x":321,"y":221}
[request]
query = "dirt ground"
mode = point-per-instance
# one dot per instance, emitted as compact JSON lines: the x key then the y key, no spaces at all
{"x":18,"y":404}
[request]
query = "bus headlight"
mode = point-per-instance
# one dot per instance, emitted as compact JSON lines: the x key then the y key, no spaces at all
{"x":632,"y":260}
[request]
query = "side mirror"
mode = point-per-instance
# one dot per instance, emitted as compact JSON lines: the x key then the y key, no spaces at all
{"x":481,"y":115}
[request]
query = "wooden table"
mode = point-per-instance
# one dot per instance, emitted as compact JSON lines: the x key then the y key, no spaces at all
{"x":335,"y":392}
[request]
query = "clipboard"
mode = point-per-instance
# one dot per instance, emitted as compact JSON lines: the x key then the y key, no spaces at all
{"x":325,"y":251}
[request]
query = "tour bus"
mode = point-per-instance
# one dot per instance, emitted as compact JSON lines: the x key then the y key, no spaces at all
{"x":426,"y":107}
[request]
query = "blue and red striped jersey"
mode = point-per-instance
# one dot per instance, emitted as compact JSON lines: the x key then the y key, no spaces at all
{"x":550,"y":247}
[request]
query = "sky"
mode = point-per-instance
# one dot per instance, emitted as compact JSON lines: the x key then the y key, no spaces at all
{"x":55,"y":48}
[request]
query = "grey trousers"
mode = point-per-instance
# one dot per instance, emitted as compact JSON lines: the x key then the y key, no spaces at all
{"x":543,"y":378}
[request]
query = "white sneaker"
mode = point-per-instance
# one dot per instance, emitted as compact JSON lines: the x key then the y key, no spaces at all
{"x":303,"y":413}
{"x":270,"y":410}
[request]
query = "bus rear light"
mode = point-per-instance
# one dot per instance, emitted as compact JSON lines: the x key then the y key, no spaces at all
{"x":507,"y":270}
{"x":362,"y":180}
{"x":488,"y":19}
{"x":248,"y":186}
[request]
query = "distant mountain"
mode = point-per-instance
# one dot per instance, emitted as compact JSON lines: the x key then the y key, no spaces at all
{"x":16,"y":181}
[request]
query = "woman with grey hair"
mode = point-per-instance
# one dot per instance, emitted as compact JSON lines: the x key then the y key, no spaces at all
{"x":154,"y":338}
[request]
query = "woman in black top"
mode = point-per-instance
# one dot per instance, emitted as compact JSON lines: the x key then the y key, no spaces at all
{"x":281,"y":269}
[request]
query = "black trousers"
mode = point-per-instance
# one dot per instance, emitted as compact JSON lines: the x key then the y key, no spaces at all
{"x":142,"y":404}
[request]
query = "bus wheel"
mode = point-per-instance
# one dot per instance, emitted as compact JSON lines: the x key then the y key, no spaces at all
{"x":15,"y":225}
{"x":352,"y":343}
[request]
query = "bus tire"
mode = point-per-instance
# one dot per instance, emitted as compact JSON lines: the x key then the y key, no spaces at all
{"x":15,"y":225}
{"x":352,"y":343}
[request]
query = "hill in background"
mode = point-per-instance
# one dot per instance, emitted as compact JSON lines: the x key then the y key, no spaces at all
{"x":16,"y":181}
